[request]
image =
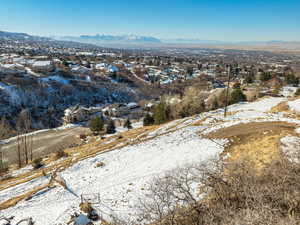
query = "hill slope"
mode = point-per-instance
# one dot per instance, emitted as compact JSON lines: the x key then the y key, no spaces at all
{"x":131,"y":162}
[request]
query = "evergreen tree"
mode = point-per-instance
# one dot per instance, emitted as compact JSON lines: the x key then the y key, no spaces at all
{"x":292,"y":79}
{"x":161,"y":113}
{"x":128,"y":124}
{"x":148,"y":120}
{"x":111,"y":128}
{"x":237,"y":95}
{"x":96,"y":125}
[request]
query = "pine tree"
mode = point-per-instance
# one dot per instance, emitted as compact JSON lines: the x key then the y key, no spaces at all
{"x":161,"y":113}
{"x":96,"y":125}
{"x":111,"y":128}
{"x":128,"y":124}
{"x":148,"y":120}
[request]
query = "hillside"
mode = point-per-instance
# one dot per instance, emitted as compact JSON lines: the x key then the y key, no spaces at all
{"x":131,"y":161}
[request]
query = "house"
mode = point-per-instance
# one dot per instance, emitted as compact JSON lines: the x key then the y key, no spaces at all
{"x":43,"y":66}
{"x":12,"y":68}
{"x":80,"y":114}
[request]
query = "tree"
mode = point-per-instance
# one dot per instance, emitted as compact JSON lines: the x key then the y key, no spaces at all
{"x":161,"y":113}
{"x":237,"y":95}
{"x":292,"y":79}
{"x":5,"y":128}
{"x":128,"y":124}
{"x":236,"y":86}
{"x":111,"y":128}
{"x":96,"y":125}
{"x":24,"y":140}
{"x":148,"y":120}
{"x":249,"y":79}
{"x":265,"y":76}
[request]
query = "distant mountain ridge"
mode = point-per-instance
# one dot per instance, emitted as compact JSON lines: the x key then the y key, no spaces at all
{"x":115,"y":41}
{"x":103,"y":38}
{"x":21,"y":36}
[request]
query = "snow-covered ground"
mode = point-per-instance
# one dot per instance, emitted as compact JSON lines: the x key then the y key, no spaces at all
{"x":123,"y":180}
{"x":294,"y":105}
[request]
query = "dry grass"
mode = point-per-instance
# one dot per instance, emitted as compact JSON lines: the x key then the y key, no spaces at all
{"x":281,"y":107}
{"x":258,"y":141}
{"x":76,"y":154}
{"x":13,"y":201}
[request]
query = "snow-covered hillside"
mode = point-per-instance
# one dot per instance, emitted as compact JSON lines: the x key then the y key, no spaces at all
{"x":123,"y":179}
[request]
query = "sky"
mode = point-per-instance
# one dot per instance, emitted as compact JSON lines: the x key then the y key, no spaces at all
{"x":224,"y":20}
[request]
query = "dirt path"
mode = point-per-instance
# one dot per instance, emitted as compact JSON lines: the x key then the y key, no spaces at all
{"x":46,"y":142}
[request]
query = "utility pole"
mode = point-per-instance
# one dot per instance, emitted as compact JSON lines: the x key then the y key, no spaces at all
{"x":227,"y":91}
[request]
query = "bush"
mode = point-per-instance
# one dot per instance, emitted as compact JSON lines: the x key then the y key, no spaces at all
{"x":237,"y":95}
{"x":240,"y":195}
{"x":82,"y":136}
{"x":292,"y":79}
{"x":111,"y":128}
{"x":60,"y":154}
{"x":3,"y":166}
{"x":37,"y":163}
{"x":236,"y":86}
{"x":128,"y":124}
{"x":265,"y":76}
{"x":148,"y":120}
{"x":297,"y":93}
{"x":96,"y":125}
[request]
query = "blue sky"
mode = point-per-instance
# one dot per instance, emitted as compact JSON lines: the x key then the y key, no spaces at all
{"x":226,"y":20}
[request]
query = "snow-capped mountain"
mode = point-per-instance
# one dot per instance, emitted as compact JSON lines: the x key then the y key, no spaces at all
{"x":103,"y":38}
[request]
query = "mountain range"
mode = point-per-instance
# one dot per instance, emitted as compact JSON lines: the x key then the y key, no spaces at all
{"x":149,"y":41}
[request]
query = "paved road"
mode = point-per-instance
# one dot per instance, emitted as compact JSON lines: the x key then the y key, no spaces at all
{"x":45,"y":142}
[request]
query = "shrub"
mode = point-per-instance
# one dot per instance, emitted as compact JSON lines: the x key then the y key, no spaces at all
{"x":236,"y":86}
{"x":297,"y":93}
{"x":128,"y":124}
{"x":96,"y":125}
{"x":111,"y":128}
{"x":100,"y":164}
{"x":3,"y":166}
{"x":61,"y":153}
{"x":265,"y":76}
{"x":148,"y":120}
{"x":240,"y":195}
{"x":82,"y":136}
{"x":237,"y":95}
{"x":37,"y":163}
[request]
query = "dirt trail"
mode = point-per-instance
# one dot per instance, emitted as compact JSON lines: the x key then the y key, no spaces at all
{"x":46,"y":142}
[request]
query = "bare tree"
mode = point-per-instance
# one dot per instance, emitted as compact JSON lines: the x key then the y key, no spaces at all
{"x":24,"y":140}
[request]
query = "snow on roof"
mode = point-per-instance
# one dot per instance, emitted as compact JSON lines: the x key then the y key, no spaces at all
{"x":42,"y":63}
